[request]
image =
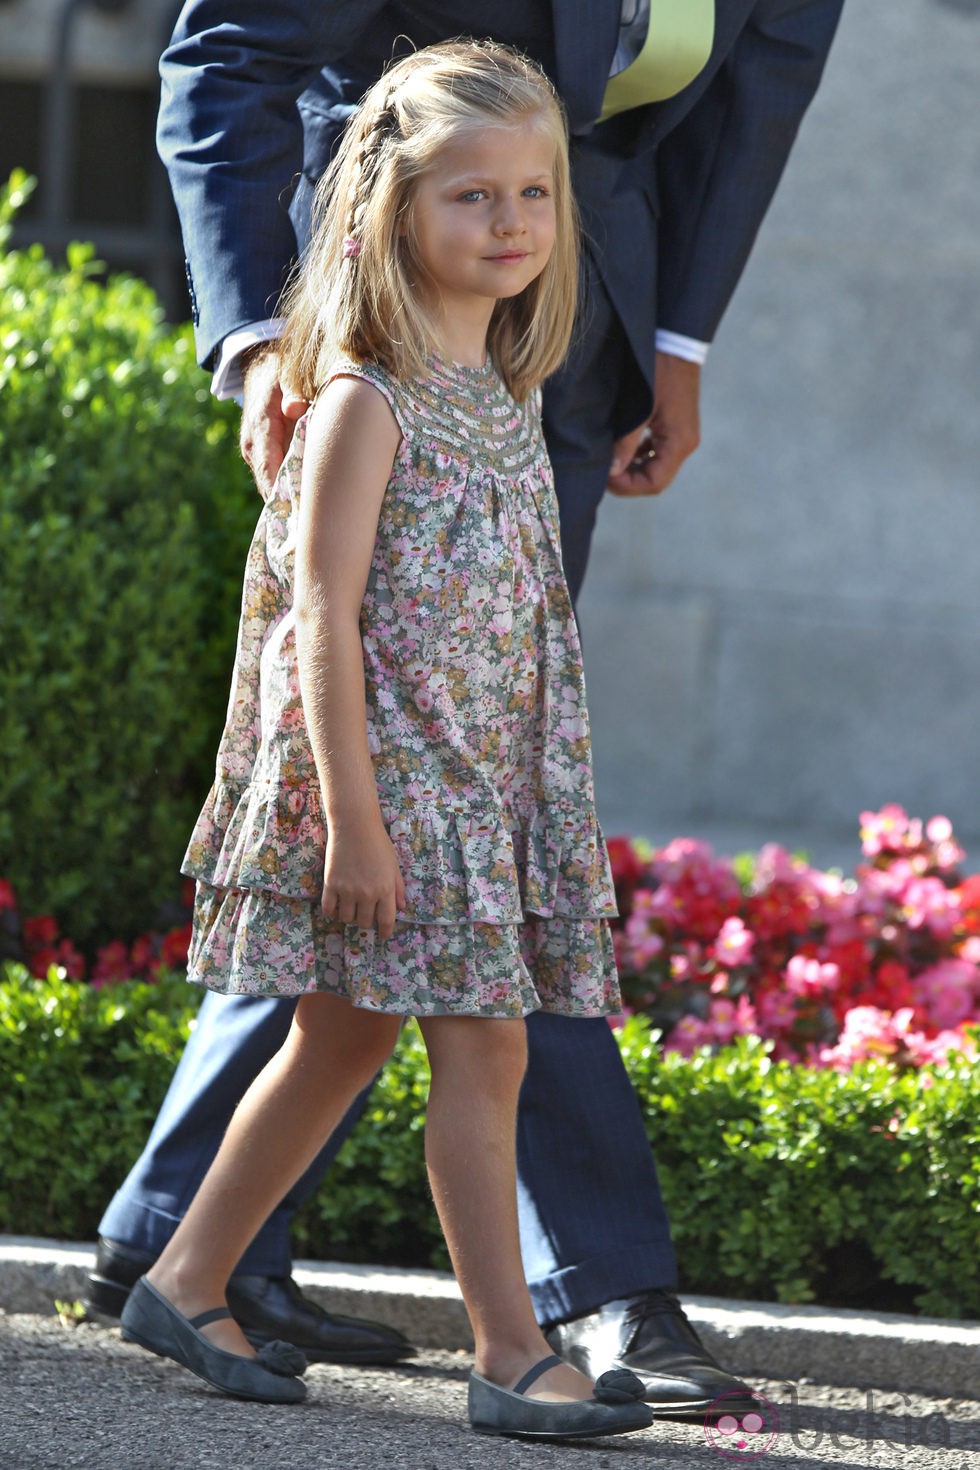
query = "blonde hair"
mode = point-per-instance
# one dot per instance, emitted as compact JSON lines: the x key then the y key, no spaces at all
{"x":353,"y":293}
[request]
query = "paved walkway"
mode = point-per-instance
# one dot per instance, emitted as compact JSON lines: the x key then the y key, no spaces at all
{"x":81,"y":1399}
{"x":853,"y":1389}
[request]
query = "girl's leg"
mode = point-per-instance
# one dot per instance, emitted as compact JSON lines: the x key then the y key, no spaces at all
{"x":331,"y":1052}
{"x":477,"y":1066}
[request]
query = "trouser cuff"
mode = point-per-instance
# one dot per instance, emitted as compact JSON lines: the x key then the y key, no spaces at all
{"x":576,"y":1290}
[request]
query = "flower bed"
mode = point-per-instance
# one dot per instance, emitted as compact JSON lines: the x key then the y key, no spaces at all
{"x":830,"y":970}
{"x":38,"y":944}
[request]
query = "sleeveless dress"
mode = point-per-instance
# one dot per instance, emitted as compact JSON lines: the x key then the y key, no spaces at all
{"x":477,"y":728}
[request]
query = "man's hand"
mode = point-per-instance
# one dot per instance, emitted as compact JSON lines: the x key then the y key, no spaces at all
{"x":268,"y":415}
{"x":646,"y":460}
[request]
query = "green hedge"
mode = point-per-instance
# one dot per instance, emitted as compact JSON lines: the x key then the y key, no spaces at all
{"x":125,"y":511}
{"x":782,"y":1182}
{"x":793,"y":1183}
{"x":84,"y":1072}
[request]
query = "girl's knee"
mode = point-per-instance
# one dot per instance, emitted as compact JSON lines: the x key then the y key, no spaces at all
{"x":328,"y":1027}
{"x":482,"y":1045}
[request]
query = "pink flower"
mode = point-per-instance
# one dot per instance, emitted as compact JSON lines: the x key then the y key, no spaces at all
{"x":688,"y":1035}
{"x":776,"y":864}
{"x":776,"y":1011}
{"x":947,"y":853}
{"x":947,"y":990}
{"x":809,"y":977}
{"x":734,"y":943}
{"x":929,"y":904}
{"x":891,"y":956}
{"x":684,"y":963}
{"x":970,"y":949}
{"x":936,"y":1049}
{"x":889,"y":830}
{"x":727,"y":1018}
{"x":644,"y":943}
{"x":867,"y":1032}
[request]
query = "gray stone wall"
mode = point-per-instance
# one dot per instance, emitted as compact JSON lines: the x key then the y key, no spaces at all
{"x":112,"y":46}
{"x":792,"y":632}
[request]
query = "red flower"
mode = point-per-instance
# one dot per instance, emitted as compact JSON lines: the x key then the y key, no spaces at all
{"x":40,"y":961}
{"x":8,"y":899}
{"x":40,"y":933}
{"x":175,"y":946}
{"x":851,"y":958}
{"x":970,"y":903}
{"x":111,"y":964}
{"x":68,"y":957}
{"x":780,"y":909}
{"x":628,"y":869}
{"x":141,"y":954}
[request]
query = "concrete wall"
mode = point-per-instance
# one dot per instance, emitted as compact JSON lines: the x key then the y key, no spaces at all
{"x":792,"y":632}
{"x":108,"y":45}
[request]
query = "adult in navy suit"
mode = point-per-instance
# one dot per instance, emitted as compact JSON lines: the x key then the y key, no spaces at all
{"x":672,"y":195}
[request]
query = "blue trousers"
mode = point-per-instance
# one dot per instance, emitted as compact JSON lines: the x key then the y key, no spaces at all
{"x":593,"y":1223}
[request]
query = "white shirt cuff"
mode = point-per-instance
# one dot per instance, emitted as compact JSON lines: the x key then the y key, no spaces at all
{"x":676,"y":345}
{"x":227,"y":380}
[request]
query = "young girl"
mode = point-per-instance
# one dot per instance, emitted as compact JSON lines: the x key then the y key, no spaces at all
{"x":403,"y":821}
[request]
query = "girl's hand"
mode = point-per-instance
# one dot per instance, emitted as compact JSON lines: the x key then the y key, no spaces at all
{"x":362,"y":883}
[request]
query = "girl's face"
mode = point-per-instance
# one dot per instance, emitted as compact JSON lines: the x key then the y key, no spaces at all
{"x":483,"y":215}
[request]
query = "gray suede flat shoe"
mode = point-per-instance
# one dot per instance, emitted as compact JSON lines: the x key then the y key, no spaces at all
{"x":271,"y":1377}
{"x":614,"y":1408}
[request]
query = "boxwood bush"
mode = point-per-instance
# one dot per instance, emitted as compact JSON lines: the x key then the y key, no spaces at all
{"x":786,"y":1183}
{"x":125,"y":512}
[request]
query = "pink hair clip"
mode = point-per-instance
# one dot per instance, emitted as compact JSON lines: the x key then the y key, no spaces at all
{"x":352,"y":247}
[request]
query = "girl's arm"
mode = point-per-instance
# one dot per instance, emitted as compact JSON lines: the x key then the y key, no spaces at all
{"x":351,"y":442}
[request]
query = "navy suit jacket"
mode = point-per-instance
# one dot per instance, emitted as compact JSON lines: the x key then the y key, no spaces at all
{"x":671,"y":194}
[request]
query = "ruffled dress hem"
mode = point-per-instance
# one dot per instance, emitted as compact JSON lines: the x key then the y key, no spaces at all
{"x":251,"y":942}
{"x":504,"y":914}
{"x":460,"y":864}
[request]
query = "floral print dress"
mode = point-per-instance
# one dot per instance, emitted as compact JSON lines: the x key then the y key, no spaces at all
{"x":477,"y":727}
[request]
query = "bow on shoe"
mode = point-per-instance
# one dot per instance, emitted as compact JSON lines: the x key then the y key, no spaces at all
{"x":282,"y":1358}
{"x":618,"y":1386}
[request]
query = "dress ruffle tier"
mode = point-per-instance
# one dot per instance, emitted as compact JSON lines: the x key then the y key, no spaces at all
{"x":458,"y":866}
{"x":501,"y":917}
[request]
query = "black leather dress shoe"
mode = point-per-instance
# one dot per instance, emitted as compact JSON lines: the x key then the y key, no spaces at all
{"x":650,"y":1334}
{"x":267,"y":1308}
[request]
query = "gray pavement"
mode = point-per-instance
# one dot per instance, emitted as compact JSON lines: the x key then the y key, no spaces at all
{"x":847,"y":1388}
{"x":81,"y":1399}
